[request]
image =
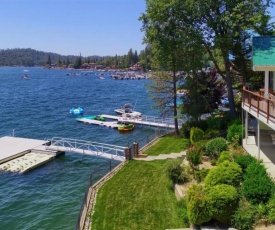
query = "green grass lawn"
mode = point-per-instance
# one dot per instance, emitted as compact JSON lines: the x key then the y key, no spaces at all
{"x":139,"y":196}
{"x":167,"y":145}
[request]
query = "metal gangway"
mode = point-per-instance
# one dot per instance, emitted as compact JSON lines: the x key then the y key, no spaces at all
{"x":113,"y":152}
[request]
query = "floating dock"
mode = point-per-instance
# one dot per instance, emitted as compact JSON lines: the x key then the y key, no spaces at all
{"x":23,"y":154}
{"x":144,"y":120}
{"x":109,"y":124}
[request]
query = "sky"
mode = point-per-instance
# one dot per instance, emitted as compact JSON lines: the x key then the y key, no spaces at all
{"x":71,"y":27}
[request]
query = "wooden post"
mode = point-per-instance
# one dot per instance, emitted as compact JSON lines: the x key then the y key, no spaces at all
{"x":135,"y":148}
{"x":128,"y":155}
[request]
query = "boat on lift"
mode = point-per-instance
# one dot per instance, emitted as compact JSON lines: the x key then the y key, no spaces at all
{"x":127,"y":109}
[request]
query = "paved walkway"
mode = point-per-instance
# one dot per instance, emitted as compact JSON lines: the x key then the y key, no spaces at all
{"x":163,"y":156}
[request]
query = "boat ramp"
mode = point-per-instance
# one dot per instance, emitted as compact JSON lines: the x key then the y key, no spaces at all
{"x":142,"y":120}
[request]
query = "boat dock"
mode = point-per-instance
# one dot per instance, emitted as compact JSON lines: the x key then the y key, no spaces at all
{"x":23,"y":154}
{"x":143,"y":120}
{"x":109,"y":124}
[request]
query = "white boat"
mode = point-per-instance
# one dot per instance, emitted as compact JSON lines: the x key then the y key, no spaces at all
{"x":128,"y":110}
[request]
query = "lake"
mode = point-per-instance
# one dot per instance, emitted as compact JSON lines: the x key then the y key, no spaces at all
{"x":50,"y":197}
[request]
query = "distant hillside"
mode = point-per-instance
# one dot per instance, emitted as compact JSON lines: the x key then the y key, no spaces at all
{"x":31,"y":57}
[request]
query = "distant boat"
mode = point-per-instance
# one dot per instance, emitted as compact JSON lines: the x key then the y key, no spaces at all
{"x":25,"y":77}
{"x":101,"y":78}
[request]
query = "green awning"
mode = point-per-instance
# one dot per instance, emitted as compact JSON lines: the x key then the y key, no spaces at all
{"x":263,"y":53}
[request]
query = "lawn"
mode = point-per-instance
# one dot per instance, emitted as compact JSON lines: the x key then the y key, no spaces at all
{"x":167,"y":145}
{"x":139,"y":196}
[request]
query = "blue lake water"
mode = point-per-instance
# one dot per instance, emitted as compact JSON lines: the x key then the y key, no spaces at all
{"x":50,"y":197}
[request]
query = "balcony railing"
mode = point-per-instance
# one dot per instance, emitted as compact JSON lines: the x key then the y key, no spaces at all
{"x":259,"y":106}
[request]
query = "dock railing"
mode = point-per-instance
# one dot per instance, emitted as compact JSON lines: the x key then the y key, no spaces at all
{"x":82,"y":146}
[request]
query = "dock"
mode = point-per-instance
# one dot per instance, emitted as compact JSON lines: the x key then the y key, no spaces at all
{"x":23,"y":154}
{"x":143,"y":120}
{"x":109,"y":124}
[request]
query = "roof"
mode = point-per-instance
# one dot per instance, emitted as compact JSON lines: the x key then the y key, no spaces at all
{"x":263,"y":53}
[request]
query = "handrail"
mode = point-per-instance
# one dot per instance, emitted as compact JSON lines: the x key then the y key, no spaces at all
{"x":95,"y":148}
{"x":262,"y":105}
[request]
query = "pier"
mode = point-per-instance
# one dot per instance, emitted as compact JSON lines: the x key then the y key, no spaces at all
{"x":143,"y":120}
{"x":23,"y":154}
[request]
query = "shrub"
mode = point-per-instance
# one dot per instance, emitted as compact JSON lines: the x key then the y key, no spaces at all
{"x":257,"y":186}
{"x":243,"y":218}
{"x":201,"y":146}
{"x":201,"y":174}
{"x":224,"y":200}
{"x":194,"y":157}
{"x":215,"y":146}
{"x":235,"y":133}
{"x":271,"y":210}
{"x":176,"y":172}
{"x":199,"y":209}
{"x":196,"y":134}
{"x":214,"y":122}
{"x":186,"y":127}
{"x":183,"y":211}
{"x":225,"y":155}
{"x":244,"y":161}
{"x":211,"y":133}
{"x":225,"y":173}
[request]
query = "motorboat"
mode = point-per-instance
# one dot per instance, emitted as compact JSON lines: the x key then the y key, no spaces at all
{"x":128,"y":110}
{"x":77,"y":111}
{"x":125,"y":127}
{"x":25,"y":77}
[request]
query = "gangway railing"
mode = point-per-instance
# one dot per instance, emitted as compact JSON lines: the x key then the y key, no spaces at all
{"x":88,"y":147}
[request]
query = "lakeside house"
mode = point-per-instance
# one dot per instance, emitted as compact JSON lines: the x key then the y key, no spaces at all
{"x":259,"y":106}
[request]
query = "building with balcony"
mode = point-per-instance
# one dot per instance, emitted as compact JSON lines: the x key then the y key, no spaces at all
{"x":259,"y":106}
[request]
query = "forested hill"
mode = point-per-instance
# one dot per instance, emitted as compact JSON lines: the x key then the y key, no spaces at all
{"x":31,"y":57}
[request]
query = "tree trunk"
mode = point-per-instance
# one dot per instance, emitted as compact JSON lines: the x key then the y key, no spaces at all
{"x":175,"y":103}
{"x":229,"y":89}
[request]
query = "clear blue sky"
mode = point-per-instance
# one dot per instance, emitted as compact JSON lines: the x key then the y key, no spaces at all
{"x":71,"y":27}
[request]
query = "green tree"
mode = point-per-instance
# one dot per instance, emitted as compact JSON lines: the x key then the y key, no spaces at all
{"x":203,"y":93}
{"x":220,"y":24}
{"x":171,"y":50}
{"x":78,"y":62}
{"x":49,"y":61}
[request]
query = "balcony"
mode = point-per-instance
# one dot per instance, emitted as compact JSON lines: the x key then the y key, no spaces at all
{"x":259,"y":106}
